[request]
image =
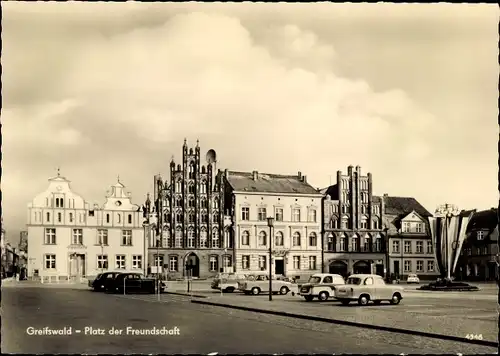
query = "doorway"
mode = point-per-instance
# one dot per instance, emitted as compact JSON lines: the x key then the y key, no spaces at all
{"x":396,"y":268}
{"x":338,"y":267}
{"x":279,"y":267}
{"x":77,"y":266}
{"x":362,"y":267}
{"x":193,"y":265}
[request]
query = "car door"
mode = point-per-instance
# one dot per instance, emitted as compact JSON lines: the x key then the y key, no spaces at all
{"x":382,"y":289}
{"x":327,"y":282}
{"x":368,"y":287}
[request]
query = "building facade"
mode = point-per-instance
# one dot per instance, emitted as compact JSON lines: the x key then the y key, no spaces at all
{"x":353,"y":232}
{"x":478,"y":260}
{"x":10,"y":255}
{"x":69,"y":239}
{"x":189,"y":236}
{"x":252,"y":197}
{"x":411,"y":249}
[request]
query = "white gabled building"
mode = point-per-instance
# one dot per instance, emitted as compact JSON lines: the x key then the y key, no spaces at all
{"x":296,"y":236}
{"x":70,"y":240}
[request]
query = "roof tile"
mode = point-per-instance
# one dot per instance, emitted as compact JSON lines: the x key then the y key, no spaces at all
{"x":269,"y":183}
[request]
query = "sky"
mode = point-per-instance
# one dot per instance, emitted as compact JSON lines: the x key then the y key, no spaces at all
{"x":408,"y":92}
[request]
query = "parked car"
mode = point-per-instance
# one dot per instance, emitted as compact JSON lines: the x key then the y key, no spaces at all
{"x":102,"y":281}
{"x":134,"y":283}
{"x":228,"y":282}
{"x":412,"y":278}
{"x":260,"y":284}
{"x":321,"y":286}
{"x":365,"y":288}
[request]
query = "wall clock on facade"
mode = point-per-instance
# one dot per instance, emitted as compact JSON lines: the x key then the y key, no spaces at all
{"x":118,"y":203}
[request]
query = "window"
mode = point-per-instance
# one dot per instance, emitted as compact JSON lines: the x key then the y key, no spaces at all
{"x":344,"y":223}
{"x":59,"y":217}
{"x":130,"y":218}
{"x":120,"y":261}
{"x":262,"y":262}
{"x":215,"y":238}
{"x":107,"y":218}
{"x":420,"y":266}
{"x":91,"y":213}
{"x":191,"y":218}
{"x":165,"y":237}
{"x":262,"y":215}
{"x":158,"y":260}
{"x":296,"y":239}
{"x":191,"y":171}
{"x":70,"y":217}
{"x":50,"y":261}
{"x":119,"y":218}
{"x":191,"y":202}
{"x":50,"y":236}
{"x":364,"y":224}
{"x":376,"y":209}
{"x":430,"y":266}
{"x":420,"y":247}
{"x":313,"y":239}
{"x":214,"y":264}
{"x":429,"y":247}
{"x":312,"y":215}
{"x":203,"y":187}
{"x":190,"y":239}
{"x":178,"y":216}
{"x":191,"y":189}
{"x":227,"y":261}
{"x":178,"y":201}
{"x":355,"y":243}
{"x":245,"y":213}
{"x":343,"y":243}
{"x":408,"y":247}
{"x":278,"y":213}
{"x":127,"y":238}
{"x":395,"y":246}
{"x":178,"y":186}
{"x":296,"y":215}
{"x":203,"y":238}
{"x":245,"y":238}
{"x":173,"y":264}
{"x":366,"y":245}
{"x":102,"y":261}
{"x":279,"y":240}
{"x":245,"y":262}
{"x":296,"y":262}
{"x":407,"y":266}
{"x":378,"y":244}
{"x":375,"y":224}
{"x":48,"y":217}
{"x":137,"y":261}
{"x":178,"y":238}
{"x":77,"y":237}
{"x":204,"y":204}
{"x":216,"y":203}
{"x":406,"y":227}
{"x":312,"y":262}
{"x":420,"y":227}
{"x":334,"y":223}
{"x":204,"y":217}
{"x":262,"y":238}
{"x":480,"y":235}
{"x":331,"y":243}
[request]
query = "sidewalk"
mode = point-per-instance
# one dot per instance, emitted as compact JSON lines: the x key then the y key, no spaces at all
{"x":394,"y":317}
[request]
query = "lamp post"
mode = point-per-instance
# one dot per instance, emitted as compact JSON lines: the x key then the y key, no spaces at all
{"x":387,"y":260}
{"x":102,"y":255}
{"x":270,"y":223}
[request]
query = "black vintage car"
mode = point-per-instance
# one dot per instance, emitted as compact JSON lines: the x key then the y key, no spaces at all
{"x":102,"y":281}
{"x":133,"y":283}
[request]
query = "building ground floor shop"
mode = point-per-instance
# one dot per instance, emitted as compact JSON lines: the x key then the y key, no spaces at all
{"x":348,"y":264}
{"x":425,"y":267}
{"x":477,"y":270}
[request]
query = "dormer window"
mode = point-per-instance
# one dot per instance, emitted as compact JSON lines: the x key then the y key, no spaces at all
{"x":480,"y":235}
{"x":107,"y":218}
{"x":91,"y":212}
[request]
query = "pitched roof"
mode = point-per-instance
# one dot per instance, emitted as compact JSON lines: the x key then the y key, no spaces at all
{"x":485,"y":219}
{"x":269,"y":183}
{"x":403,"y":206}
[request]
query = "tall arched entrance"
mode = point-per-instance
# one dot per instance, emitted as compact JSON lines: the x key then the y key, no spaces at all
{"x":192,"y":265}
{"x":362,"y":267}
{"x":338,"y":267}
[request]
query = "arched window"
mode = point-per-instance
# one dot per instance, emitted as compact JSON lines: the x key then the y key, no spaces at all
{"x":375,"y":224}
{"x":330,"y":242}
{"x":279,"y":239}
{"x":191,"y":218}
{"x":364,"y":222}
{"x":245,"y":238}
{"x":345,"y":223}
{"x":191,"y":189}
{"x":203,"y":187}
{"x":215,"y":238}
{"x":192,"y":171}
{"x":378,"y":243}
{"x":296,"y":239}
{"x":216,"y":203}
{"x":367,"y":243}
{"x":204,"y":204}
{"x":178,"y":186}
{"x":165,"y":238}
{"x":192,"y":202}
{"x":178,"y":216}
{"x":343,"y":243}
{"x":203,"y":237}
{"x":334,"y":223}
{"x":313,"y":239}
{"x":190,"y":238}
{"x":262,"y":238}
{"x":355,"y":243}
{"x":215,"y":218}
{"x":178,"y":201}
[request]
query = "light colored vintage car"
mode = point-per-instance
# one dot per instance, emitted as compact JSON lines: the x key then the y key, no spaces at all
{"x":258,"y":284}
{"x":365,"y":288}
{"x":321,"y":286}
{"x":228,"y":282}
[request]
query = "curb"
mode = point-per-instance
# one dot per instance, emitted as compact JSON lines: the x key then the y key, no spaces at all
{"x":186,"y":294}
{"x":352,"y":323}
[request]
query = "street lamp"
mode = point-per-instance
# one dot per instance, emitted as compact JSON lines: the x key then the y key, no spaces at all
{"x":387,"y":260}
{"x":270,"y":223}
{"x":102,"y":255}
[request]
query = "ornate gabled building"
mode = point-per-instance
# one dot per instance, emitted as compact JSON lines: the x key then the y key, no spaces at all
{"x":411,"y":249}
{"x":353,"y":234}
{"x":189,"y":236}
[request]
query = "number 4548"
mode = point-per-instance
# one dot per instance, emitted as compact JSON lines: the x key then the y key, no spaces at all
{"x":474,"y":336}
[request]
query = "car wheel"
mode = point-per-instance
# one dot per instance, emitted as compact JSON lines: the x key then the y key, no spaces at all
{"x":396,"y":298}
{"x":255,"y":291}
{"x":308,"y":298}
{"x":283,"y":290}
{"x":345,"y":302}
{"x":229,"y":290}
{"x":323,"y":296}
{"x":363,"y":300}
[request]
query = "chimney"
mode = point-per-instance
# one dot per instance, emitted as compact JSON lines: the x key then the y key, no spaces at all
{"x":255,"y":175}
{"x":304,"y":179}
{"x":300,"y":175}
{"x":226,"y":173}
{"x":386,"y":195}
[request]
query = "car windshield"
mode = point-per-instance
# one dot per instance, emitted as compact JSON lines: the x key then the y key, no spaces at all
{"x":354,"y":280}
{"x":314,"y":279}
{"x":98,"y":276}
{"x":412,"y":275}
